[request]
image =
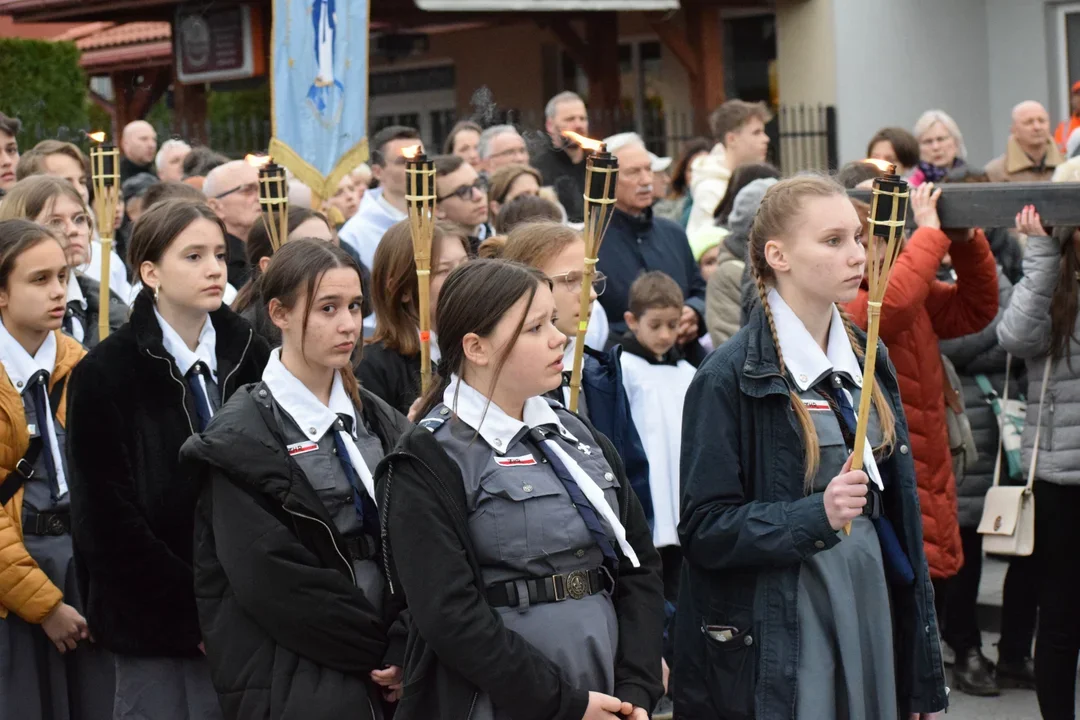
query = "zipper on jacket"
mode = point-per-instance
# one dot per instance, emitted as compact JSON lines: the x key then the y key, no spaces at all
{"x":225,"y":385}
{"x":383,"y":532}
{"x":472,"y":705}
{"x":332,"y":541}
{"x":183,"y":388}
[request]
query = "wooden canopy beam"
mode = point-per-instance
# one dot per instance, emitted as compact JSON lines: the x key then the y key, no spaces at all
{"x":706,"y":41}
{"x":605,"y":96}
{"x":674,"y":39}
{"x":573,"y":43}
{"x":136,"y":93}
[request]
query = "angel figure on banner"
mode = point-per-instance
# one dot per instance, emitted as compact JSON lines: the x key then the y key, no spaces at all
{"x":325,"y":93}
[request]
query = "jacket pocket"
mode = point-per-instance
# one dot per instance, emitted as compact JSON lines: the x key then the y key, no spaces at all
{"x":731,"y":666}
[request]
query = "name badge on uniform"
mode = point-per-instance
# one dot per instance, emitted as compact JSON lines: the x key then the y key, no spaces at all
{"x":519,"y":461}
{"x":302,"y":447}
{"x":32,"y":430}
{"x":816,"y":404}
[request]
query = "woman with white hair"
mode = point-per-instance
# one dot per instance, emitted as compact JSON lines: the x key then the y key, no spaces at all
{"x":941,"y":147}
{"x":170,"y":160}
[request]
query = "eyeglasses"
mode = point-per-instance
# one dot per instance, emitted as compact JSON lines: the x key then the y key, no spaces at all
{"x":521,"y":152}
{"x":249,"y":189}
{"x":465,"y":192}
{"x":572,"y":281}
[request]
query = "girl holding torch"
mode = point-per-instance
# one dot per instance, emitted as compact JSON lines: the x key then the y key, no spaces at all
{"x":848,"y":620}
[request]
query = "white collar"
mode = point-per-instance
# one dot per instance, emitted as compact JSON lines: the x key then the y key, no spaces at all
{"x":436,"y":354}
{"x":311,"y":416}
{"x":493,"y":424}
{"x":803,"y":357}
{"x":18,"y":363}
{"x":74,"y":291}
{"x":184,"y":358}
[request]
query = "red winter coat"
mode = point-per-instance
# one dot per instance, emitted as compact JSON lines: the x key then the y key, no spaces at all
{"x":917,"y":311}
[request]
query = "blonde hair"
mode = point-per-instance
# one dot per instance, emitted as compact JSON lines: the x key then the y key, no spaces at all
{"x":780,"y":206}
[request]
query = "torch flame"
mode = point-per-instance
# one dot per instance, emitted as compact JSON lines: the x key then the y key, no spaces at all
{"x":882,"y":165}
{"x":257,"y":161}
{"x":584,"y":142}
{"x":98,"y":136}
{"x":412,"y":151}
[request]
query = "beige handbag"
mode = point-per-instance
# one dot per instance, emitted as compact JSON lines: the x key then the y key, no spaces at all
{"x":1008,"y":519}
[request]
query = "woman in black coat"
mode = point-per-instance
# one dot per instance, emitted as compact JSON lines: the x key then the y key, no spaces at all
{"x":295,"y":609}
{"x":133,"y":402}
{"x":390,"y":364}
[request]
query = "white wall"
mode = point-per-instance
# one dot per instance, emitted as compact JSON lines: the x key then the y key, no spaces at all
{"x":898,"y":59}
{"x":805,"y":56}
{"x":1022,"y":61}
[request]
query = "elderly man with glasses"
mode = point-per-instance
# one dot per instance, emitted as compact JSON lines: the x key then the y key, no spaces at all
{"x":461,"y":197}
{"x":232,"y":192}
{"x":502,"y":145}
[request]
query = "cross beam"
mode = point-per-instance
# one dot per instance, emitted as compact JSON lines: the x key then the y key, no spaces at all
{"x":989,"y":205}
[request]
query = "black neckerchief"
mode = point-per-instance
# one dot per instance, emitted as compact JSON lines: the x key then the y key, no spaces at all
{"x":631,"y":345}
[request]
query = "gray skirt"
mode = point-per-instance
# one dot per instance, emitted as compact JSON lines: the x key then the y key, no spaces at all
{"x":37,"y":682}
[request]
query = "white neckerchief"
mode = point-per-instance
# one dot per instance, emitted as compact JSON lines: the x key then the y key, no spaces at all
{"x":499,"y":429}
{"x":75,"y":294}
{"x":807,"y":364}
{"x":314,"y":418}
{"x":20,"y":367}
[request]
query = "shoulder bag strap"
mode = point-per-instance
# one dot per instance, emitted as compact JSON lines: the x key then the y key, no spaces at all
{"x":1038,"y":427}
{"x":1003,"y":405}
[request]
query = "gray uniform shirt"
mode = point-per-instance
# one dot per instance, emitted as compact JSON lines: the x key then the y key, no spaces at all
{"x":523,"y":525}
{"x":327,"y":476}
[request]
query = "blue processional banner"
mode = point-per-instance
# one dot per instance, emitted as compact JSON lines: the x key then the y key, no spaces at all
{"x":319,"y":65}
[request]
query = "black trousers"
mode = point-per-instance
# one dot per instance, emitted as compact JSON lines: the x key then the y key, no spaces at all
{"x":1057,"y":648}
{"x":960,"y":626}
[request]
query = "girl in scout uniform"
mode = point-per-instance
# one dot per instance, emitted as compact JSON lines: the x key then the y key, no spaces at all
{"x":782,"y":614}
{"x":50,"y":670}
{"x":135,"y":399}
{"x":534,"y":588}
{"x":293,"y":602}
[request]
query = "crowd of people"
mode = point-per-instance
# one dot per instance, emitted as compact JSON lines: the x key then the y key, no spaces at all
{"x":241,"y":504}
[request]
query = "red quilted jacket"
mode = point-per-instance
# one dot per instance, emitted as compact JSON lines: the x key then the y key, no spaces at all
{"x":917,"y":311}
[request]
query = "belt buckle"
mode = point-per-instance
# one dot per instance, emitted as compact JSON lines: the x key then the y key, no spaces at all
{"x":55,"y":525}
{"x":577,"y":584}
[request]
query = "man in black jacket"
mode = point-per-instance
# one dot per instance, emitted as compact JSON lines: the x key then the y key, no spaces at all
{"x":138,"y":143}
{"x":637,"y":242}
{"x":232,"y":192}
{"x":561,"y":161}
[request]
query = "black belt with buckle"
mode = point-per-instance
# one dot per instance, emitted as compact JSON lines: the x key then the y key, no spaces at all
{"x":554,"y":588}
{"x":47,"y":523}
{"x":361,"y":547}
{"x":874,"y":499}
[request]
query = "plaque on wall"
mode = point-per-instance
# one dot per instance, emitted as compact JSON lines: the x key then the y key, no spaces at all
{"x":218,"y":43}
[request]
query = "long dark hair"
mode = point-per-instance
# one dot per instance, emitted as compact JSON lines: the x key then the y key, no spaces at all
{"x":678,"y":174}
{"x":396,"y":297}
{"x":1063,"y":304}
{"x":474,"y":299}
{"x":298,"y":267}
{"x":259,"y":246}
{"x":157,"y":228}
{"x":743,"y":176}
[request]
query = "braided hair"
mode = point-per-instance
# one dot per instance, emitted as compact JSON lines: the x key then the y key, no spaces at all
{"x":782,"y":202}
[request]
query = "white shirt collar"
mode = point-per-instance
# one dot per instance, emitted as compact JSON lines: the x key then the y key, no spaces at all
{"x":493,"y":424}
{"x":313,"y":418}
{"x":206,"y":350}
{"x":803,"y":357}
{"x":74,"y":292}
{"x":436,"y":354}
{"x":18,"y":363}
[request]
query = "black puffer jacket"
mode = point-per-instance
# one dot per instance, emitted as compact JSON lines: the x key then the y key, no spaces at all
{"x":981,"y":354}
{"x":288,"y":634}
{"x":132,"y":507}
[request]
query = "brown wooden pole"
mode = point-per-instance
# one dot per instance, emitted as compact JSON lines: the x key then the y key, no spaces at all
{"x":602,"y":39}
{"x":706,"y":41}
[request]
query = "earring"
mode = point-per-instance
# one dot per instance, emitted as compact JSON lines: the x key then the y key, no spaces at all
{"x":157,"y":291}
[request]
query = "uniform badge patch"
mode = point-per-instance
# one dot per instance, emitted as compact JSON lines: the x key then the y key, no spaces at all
{"x":519,"y":461}
{"x":431,"y":424}
{"x":816,"y":404}
{"x":302,"y":447}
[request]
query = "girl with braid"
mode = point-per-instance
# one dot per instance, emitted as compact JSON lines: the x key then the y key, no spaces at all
{"x":781,"y":613}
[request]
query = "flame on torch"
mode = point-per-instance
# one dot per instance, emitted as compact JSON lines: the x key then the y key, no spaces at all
{"x":584,"y":142}
{"x":412,"y":151}
{"x":98,"y":137}
{"x":257,"y":161}
{"x":883,"y":165}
